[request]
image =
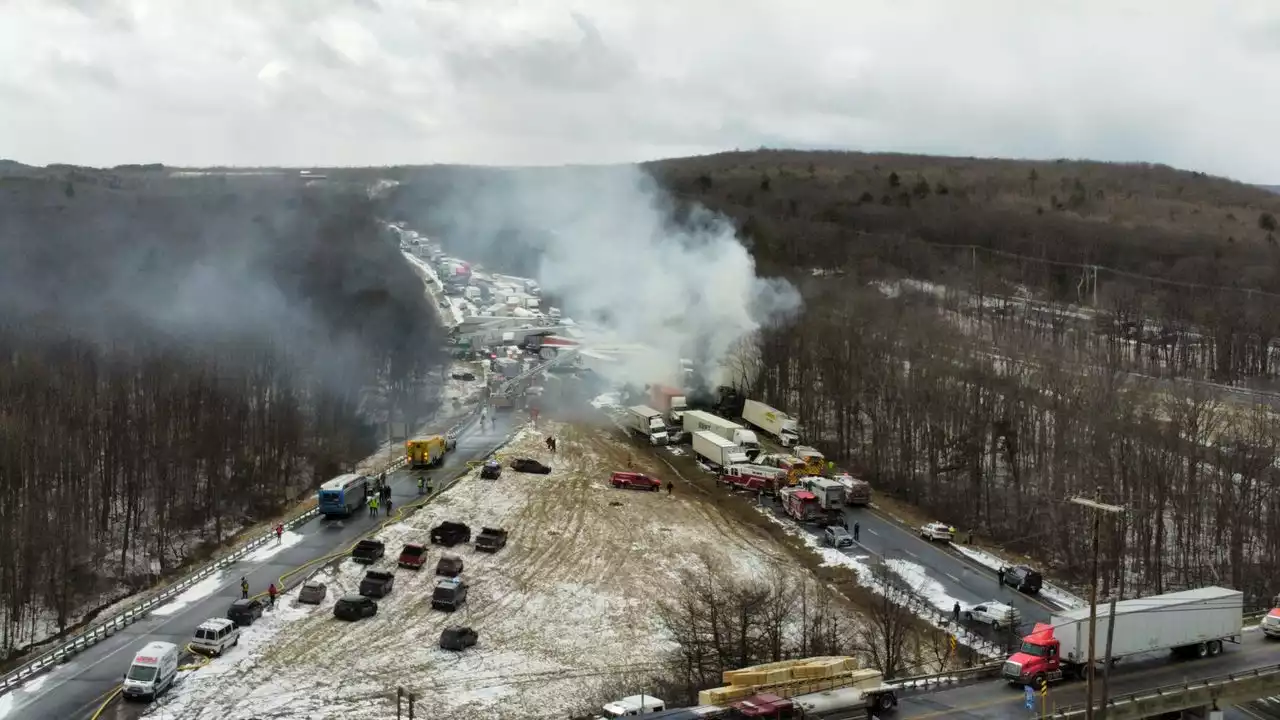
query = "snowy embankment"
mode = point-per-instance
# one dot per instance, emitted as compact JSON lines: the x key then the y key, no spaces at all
{"x":435,"y":289}
{"x":918,"y":592}
{"x":568,"y":605}
{"x":1050,"y":592}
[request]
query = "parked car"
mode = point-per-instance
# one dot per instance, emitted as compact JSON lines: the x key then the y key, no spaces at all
{"x":449,"y":594}
{"x":449,"y":565}
{"x":244,"y":612}
{"x":368,"y":551}
{"x":635,"y":481}
{"x":938,"y":531}
{"x":491,"y":540}
{"x":377,"y":583}
{"x":355,"y":607}
{"x":837,"y":537}
{"x":449,"y":533}
{"x":529,"y":465}
{"x":464,"y":375}
{"x":312,"y":593}
{"x":491,"y":470}
{"x":1023,"y":579}
{"x":993,"y":613}
{"x":458,"y":638}
{"x":412,"y":556}
{"x":215,"y":635}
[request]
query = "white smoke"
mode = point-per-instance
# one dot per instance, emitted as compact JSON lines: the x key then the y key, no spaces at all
{"x":631,"y":275}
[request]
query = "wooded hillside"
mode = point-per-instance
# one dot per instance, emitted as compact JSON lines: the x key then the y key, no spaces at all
{"x":184,"y":356}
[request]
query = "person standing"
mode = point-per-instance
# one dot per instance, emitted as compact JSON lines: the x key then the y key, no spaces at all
{"x":271,"y":595}
{"x":244,"y":588}
{"x":670,"y":487}
{"x":955,"y":611}
{"x":279,"y":533}
{"x":388,"y":507}
{"x":856,"y":530}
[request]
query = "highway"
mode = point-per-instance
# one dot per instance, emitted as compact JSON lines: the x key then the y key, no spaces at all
{"x":76,"y":689}
{"x":998,"y":700}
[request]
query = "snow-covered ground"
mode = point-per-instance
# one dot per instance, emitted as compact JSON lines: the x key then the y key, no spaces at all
{"x":568,"y":603}
{"x":924,"y":595}
{"x":1048,"y":591}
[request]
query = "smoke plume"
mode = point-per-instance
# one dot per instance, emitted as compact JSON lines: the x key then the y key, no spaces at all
{"x":655,"y":282}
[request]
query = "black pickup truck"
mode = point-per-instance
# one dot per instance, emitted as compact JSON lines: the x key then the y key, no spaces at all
{"x":450,"y":533}
{"x":491,"y":540}
{"x":368,"y":551}
{"x":377,"y":583}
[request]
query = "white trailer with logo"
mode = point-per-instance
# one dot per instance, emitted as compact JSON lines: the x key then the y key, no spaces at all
{"x":700,"y":420}
{"x":773,"y":422}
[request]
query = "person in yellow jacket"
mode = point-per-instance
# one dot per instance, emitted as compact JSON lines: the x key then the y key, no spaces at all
{"x":373,"y":506}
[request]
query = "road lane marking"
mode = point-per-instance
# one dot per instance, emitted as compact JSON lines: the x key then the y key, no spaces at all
{"x":953,"y":577}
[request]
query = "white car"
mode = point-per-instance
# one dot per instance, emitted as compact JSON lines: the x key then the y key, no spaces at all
{"x":995,"y":614}
{"x":937,"y":531}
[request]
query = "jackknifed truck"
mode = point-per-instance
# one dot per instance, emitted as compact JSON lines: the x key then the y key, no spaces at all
{"x":1192,"y":623}
{"x":773,"y":422}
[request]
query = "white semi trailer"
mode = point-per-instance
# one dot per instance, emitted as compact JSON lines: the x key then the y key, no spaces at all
{"x":716,"y":450}
{"x":773,"y":422}
{"x":1192,"y":623}
{"x":698,"y":420}
{"x":645,"y":422}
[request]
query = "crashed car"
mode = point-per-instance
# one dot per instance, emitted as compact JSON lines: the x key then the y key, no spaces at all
{"x":837,"y":537}
{"x":529,"y":465}
{"x":490,"y":470}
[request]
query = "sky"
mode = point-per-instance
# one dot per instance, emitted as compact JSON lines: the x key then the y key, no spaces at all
{"x":1189,"y":83}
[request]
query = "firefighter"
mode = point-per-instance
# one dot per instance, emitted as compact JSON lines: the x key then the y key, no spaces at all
{"x":244,"y":588}
{"x":373,"y":506}
{"x":422,"y":484}
{"x":856,"y":529}
{"x":271,"y":595}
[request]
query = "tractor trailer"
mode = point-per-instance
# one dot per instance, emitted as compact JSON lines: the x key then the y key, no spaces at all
{"x":698,"y":420}
{"x":643,"y":421}
{"x":716,"y":450}
{"x":773,"y":422}
{"x":1191,"y":623}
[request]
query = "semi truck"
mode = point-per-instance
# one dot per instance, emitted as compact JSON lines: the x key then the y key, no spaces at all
{"x":716,"y":450}
{"x":670,"y":401}
{"x":698,"y":420}
{"x":1190,"y":623}
{"x":647,"y":423}
{"x":773,"y":422}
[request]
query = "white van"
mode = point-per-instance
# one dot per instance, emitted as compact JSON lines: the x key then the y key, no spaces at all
{"x":152,"y":672}
{"x":215,"y":635}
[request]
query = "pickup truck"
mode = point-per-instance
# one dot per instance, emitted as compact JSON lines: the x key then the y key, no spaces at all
{"x":491,"y":540}
{"x":368,"y":551}
{"x":634,"y":481}
{"x":377,"y":583}
{"x":413,"y":556}
{"x":450,"y":533}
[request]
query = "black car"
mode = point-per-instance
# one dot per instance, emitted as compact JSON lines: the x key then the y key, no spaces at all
{"x":355,"y":607}
{"x":491,"y":470}
{"x":464,"y":375}
{"x":1023,"y":578}
{"x":529,"y":465}
{"x":312,"y":593}
{"x":458,"y":638}
{"x":244,"y":612}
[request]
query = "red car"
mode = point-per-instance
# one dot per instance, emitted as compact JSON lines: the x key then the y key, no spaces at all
{"x":635,"y":481}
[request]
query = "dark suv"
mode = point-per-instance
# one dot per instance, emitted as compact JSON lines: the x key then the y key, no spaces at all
{"x":1023,"y":578}
{"x":355,"y":607}
{"x":244,"y":612}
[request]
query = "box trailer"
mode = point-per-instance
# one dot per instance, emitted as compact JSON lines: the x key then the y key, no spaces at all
{"x":645,"y":422}
{"x":1191,"y":623}
{"x":716,"y":450}
{"x":699,"y":420}
{"x":773,"y":422}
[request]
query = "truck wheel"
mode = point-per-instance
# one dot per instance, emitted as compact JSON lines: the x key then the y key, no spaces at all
{"x":1215,"y":647}
{"x":1039,"y":681}
{"x":886,"y":702}
{"x":1202,"y":650}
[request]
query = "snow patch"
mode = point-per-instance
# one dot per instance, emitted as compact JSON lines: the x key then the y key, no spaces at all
{"x":268,"y":551}
{"x":1048,"y":591}
{"x":193,"y":594}
{"x":606,"y":400}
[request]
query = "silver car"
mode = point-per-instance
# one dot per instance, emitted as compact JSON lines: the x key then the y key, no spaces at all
{"x":837,"y":537}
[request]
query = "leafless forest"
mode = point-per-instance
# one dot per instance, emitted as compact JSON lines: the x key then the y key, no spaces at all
{"x":184,"y":356}
{"x":1035,"y":377}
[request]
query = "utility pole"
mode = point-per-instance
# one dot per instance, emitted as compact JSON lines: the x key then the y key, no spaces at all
{"x":1098,"y":508}
{"x":1111,"y":616}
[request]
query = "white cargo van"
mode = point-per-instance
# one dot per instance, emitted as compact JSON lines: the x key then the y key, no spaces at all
{"x":152,"y":672}
{"x":215,"y":636}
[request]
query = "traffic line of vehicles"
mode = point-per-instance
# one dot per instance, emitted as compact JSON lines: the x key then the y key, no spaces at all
{"x":349,"y":493}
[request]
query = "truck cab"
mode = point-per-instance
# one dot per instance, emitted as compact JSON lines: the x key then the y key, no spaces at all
{"x":1037,"y":661}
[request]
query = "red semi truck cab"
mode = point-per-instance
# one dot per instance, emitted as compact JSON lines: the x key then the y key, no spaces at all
{"x":1037,"y":660}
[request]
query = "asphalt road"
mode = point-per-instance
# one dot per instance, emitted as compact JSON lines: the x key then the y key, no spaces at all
{"x":997,"y":699}
{"x":76,"y":689}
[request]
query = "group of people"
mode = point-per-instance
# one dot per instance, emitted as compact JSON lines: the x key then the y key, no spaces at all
{"x":271,"y":592}
{"x":381,"y":498}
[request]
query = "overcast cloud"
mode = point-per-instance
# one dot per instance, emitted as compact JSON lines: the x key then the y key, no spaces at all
{"x":359,"y":82}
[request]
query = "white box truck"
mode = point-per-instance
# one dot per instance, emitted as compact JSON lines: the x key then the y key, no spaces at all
{"x":645,"y":422}
{"x":1191,"y":623}
{"x":716,"y":450}
{"x":773,"y":422}
{"x":699,"y":420}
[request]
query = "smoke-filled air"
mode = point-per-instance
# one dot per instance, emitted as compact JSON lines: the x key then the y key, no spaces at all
{"x":657,"y":282}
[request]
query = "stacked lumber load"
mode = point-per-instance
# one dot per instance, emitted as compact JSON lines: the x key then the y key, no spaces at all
{"x":791,"y":677}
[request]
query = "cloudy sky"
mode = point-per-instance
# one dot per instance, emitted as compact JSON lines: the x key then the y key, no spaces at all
{"x":355,"y":82}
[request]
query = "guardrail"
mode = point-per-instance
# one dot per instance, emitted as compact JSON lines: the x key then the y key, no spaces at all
{"x":104,"y":629}
{"x":1183,"y":695}
{"x":925,"y":683}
